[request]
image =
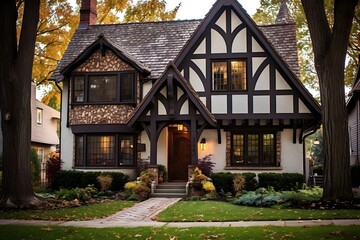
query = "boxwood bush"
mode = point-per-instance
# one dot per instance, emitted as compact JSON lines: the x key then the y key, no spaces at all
{"x":281,"y":181}
{"x":70,"y":179}
{"x":223,"y":181}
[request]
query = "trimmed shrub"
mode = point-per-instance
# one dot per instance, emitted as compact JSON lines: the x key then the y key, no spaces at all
{"x":119,"y":180}
{"x":281,"y":181}
{"x":251,"y":183}
{"x":223,"y":182}
{"x":270,"y":179}
{"x":77,"y":179}
{"x":292,"y":181}
{"x":355,"y":175}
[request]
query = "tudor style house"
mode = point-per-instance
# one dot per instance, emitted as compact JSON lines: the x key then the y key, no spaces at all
{"x":353,"y":108}
{"x":177,"y":91}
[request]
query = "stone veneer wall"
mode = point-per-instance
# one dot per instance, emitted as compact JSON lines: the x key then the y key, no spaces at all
{"x":100,"y":114}
{"x":99,"y":63}
{"x":228,"y":149}
{"x":103,"y":114}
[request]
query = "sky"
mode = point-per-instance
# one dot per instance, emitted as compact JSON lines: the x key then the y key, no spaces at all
{"x":197,"y":9}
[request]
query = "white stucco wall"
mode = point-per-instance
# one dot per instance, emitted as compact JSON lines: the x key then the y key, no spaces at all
{"x":67,"y":138}
{"x":162,"y":147}
{"x":212,"y":147}
{"x":291,"y":154}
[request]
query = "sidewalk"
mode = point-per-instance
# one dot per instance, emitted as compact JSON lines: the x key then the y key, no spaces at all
{"x":142,"y":213}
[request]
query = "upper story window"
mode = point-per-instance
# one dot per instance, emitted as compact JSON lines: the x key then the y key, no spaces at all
{"x":104,"y":88}
{"x":229,"y":75}
{"x":39,"y":116}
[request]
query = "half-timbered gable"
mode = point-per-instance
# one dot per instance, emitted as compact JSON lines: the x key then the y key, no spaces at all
{"x":160,"y":90}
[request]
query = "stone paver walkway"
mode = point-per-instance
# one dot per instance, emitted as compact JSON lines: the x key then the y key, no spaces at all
{"x":142,"y":213}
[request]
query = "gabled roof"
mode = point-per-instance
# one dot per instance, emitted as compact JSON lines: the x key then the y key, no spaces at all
{"x":153,"y":44}
{"x":261,"y":37}
{"x":102,"y":42}
{"x":185,"y":85}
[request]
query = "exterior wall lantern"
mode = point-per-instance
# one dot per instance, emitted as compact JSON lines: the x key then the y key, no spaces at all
{"x":180,"y":127}
{"x":202,"y":144}
{"x":316,"y":141}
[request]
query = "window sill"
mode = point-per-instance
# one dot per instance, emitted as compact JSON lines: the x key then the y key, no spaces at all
{"x":254,"y":168}
{"x":104,"y":167}
{"x":104,"y":103}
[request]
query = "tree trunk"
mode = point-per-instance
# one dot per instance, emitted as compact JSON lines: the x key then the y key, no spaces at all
{"x":329,"y":47}
{"x":16,"y":62}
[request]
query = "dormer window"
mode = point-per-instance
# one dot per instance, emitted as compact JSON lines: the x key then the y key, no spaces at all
{"x":229,"y":75}
{"x":104,"y":88}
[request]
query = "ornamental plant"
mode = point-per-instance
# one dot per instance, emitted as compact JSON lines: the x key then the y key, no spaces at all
{"x":208,"y":186}
{"x":130,"y":185}
{"x":200,"y":182}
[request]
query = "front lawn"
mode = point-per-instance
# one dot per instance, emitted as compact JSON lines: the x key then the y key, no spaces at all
{"x":98,"y":210}
{"x":165,"y":233}
{"x":204,"y":211}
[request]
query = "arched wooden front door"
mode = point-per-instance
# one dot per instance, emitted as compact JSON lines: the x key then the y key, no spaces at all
{"x":179,"y":154}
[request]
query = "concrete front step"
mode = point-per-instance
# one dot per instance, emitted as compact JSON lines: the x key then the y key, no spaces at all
{"x":168,"y":195}
{"x":170,"y":189}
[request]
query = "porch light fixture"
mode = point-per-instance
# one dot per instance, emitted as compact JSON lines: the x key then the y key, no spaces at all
{"x":316,"y":141}
{"x":202,"y":144}
{"x":180,"y":127}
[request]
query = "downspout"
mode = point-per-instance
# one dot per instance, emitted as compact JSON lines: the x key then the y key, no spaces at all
{"x":312,"y":131}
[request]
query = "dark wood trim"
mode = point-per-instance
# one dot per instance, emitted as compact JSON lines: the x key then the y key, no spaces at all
{"x":118,"y":100}
{"x":204,"y":31}
{"x":101,"y":128}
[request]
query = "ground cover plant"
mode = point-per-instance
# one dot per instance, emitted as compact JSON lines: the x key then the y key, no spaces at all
{"x":195,"y":233}
{"x":212,"y":211}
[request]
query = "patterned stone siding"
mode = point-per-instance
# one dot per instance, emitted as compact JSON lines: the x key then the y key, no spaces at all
{"x":99,"y":63}
{"x":100,"y":114}
{"x":228,"y":150}
{"x":103,"y":114}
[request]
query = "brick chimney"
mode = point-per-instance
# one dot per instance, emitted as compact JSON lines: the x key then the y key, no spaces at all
{"x":88,"y":13}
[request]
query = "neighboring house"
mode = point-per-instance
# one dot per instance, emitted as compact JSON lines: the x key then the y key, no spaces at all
{"x":177,"y":91}
{"x":353,"y":108}
{"x":45,"y":126}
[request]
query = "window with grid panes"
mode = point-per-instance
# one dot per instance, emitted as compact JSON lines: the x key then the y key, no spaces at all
{"x":253,"y":149}
{"x":104,"y":88}
{"x":104,"y":150}
{"x":229,"y":75}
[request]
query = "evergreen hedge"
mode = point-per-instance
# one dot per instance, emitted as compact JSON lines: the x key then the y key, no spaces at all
{"x":70,"y":179}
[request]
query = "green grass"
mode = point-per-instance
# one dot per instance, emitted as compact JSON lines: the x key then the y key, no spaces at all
{"x":201,"y":233}
{"x":204,"y":211}
{"x":99,"y":210}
